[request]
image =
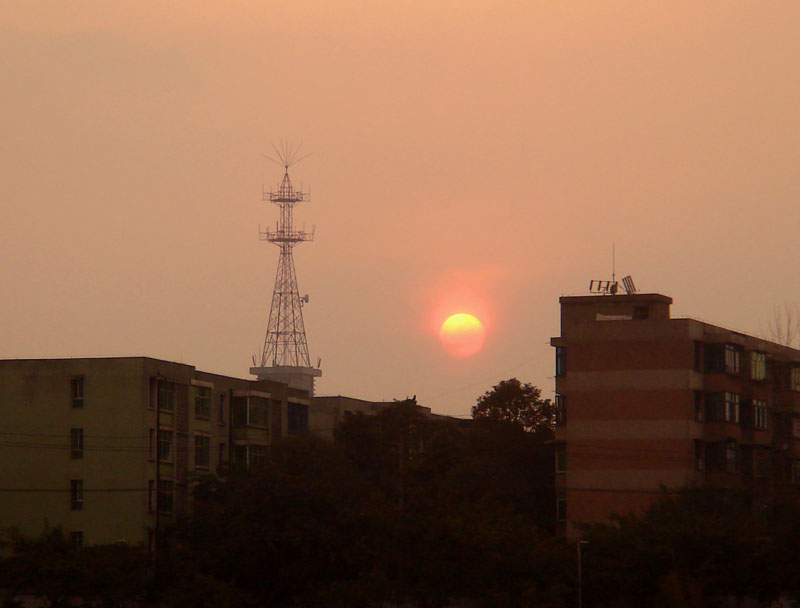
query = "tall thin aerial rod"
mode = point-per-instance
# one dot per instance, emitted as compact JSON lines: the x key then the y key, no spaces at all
{"x":285,"y":343}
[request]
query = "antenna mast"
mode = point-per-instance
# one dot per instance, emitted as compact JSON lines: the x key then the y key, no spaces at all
{"x":285,"y":354}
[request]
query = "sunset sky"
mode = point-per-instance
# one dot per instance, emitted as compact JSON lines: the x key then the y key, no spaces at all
{"x":470,"y":156}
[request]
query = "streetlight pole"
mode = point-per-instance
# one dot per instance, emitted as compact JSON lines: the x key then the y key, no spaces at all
{"x":580,"y":572}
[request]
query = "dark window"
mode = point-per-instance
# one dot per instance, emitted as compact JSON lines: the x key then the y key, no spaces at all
{"x":76,"y":494}
{"x":561,"y":360}
{"x":256,"y":456}
{"x":561,"y":410}
{"x":723,"y":358}
{"x":698,"y":356}
{"x":240,"y":455}
{"x":722,"y":407}
{"x":257,"y":408}
{"x":76,"y":391}
{"x":732,"y":409}
{"x":166,"y":395}
{"x":151,"y":495}
{"x":698,"y":406}
{"x":699,"y":456}
{"x":715,"y":407}
{"x":165,"y":495}
{"x":297,"y":417}
{"x":733,"y":359}
{"x":76,"y":443}
{"x":758,"y":365}
{"x":76,"y":539}
{"x":165,"y":444}
{"x":202,"y":402}
{"x":640,"y":313}
{"x":794,"y":378}
{"x":759,"y":414}
{"x":221,"y":415}
{"x":561,"y":507}
{"x":239,"y":411}
{"x":202,"y":449}
{"x":220,"y":454}
{"x":561,"y":458}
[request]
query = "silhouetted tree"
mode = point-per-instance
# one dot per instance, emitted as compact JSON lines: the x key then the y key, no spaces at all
{"x":512,"y":401}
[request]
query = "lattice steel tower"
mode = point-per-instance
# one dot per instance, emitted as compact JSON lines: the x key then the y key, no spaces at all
{"x":285,"y":353}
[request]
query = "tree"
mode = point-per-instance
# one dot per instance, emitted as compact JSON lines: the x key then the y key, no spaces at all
{"x":522,"y":404}
{"x":784,"y":326}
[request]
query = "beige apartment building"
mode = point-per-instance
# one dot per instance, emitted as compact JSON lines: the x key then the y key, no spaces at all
{"x":107,"y":447}
{"x":645,"y":400}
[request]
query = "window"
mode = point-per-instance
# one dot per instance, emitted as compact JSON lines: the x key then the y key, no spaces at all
{"x":76,"y":539}
{"x":202,"y":449}
{"x":220,"y":454}
{"x":257,"y":408}
{"x":698,"y":356}
{"x":76,"y":443}
{"x":76,"y":391}
{"x":733,"y":359}
{"x":699,"y":456}
{"x":722,"y":407}
{"x":761,"y":463}
{"x":257,"y":455}
{"x":561,"y":410}
{"x":698,"y":406}
{"x":76,"y":494}
{"x":723,"y":358}
{"x":561,"y":458}
{"x":731,"y":455}
{"x":640,"y":313}
{"x":165,"y":443}
{"x":760,"y":414}
{"x":794,"y":379}
{"x":732,"y":408}
{"x":758,"y":365}
{"x":297,"y":418}
{"x":561,"y":507}
{"x":151,"y":495}
{"x":202,"y":402}
{"x":250,"y":411}
{"x":166,"y":396}
{"x":240,"y":455}
{"x":165,"y":495}
{"x":795,"y":472}
{"x":151,"y":445}
{"x":221,"y":418}
{"x":561,"y":360}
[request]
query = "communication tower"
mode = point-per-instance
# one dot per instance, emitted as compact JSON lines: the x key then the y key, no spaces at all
{"x":285,"y":354}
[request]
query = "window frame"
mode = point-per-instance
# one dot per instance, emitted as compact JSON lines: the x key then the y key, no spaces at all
{"x":76,"y":443}
{"x":162,"y":441}
{"x":76,"y":494}
{"x":758,"y":365}
{"x":200,"y":438}
{"x":76,"y":391}
{"x":221,"y":410}
{"x":561,"y":361}
{"x":202,"y":402}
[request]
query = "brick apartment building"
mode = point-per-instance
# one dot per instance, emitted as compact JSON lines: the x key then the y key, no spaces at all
{"x":645,"y":401}
{"x":79,"y":447}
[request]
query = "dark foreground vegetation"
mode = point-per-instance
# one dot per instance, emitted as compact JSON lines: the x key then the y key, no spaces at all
{"x":408,"y":510}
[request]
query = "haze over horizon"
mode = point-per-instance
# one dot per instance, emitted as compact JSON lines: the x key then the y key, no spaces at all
{"x":472,"y":154}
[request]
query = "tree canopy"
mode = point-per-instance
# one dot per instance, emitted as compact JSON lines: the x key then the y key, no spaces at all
{"x":514,"y":402}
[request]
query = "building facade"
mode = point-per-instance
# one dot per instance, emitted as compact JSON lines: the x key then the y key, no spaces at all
{"x":647,"y":401}
{"x":108,"y":447}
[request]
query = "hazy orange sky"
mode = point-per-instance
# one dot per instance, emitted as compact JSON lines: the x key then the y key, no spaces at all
{"x":485,"y":152}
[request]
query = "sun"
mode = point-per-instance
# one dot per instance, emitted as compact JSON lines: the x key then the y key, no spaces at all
{"x":462,"y":334}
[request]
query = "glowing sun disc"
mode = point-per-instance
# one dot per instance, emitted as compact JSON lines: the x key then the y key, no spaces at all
{"x":462,"y":334}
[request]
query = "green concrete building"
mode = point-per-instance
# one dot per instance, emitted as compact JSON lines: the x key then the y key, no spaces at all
{"x":108,"y":448}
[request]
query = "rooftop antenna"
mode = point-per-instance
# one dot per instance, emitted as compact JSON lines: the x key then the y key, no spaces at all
{"x":285,"y":354}
{"x":607,"y":288}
